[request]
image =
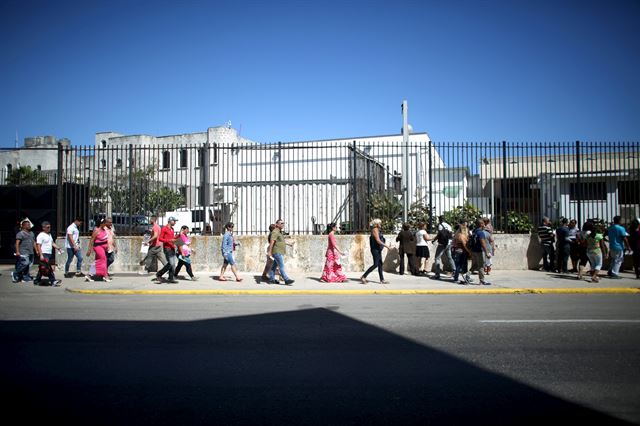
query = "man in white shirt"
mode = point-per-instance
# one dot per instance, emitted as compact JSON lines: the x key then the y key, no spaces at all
{"x":444,"y":239}
{"x":45,"y":248}
{"x":72,"y":245}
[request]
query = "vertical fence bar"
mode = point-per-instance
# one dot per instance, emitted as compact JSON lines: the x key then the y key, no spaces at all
{"x":60,"y":200}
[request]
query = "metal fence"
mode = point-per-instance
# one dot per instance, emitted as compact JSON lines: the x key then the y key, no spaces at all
{"x":312,"y":184}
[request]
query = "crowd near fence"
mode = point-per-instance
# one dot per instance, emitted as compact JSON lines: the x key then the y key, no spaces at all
{"x":349,"y":183}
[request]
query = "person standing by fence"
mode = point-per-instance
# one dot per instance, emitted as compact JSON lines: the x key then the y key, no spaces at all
{"x":168,"y":238}
{"x":547,"y":239}
{"x":185,"y":250}
{"x":634,"y":244}
{"x":480,"y":249}
{"x":155,"y":248}
{"x":332,"y":271}
{"x":563,"y":246}
{"x":596,"y":249}
{"x":46,"y":245}
{"x":25,"y":252}
{"x":228,"y":247}
{"x":422,"y":249}
{"x":488,"y":229}
{"x":112,"y":247}
{"x":444,"y":238}
{"x":98,"y":244}
{"x":72,"y":246}
{"x":461,"y":254}
{"x":376,"y":244}
{"x":617,"y":243}
{"x":277,"y":250}
{"x":407,"y":247}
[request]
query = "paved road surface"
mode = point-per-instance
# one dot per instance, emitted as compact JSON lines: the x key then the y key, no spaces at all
{"x":319,"y":359}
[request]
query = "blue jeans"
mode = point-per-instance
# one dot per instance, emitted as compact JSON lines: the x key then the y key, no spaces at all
{"x":617,"y":256}
{"x":278,"y":262}
{"x":70,"y":253}
{"x":377,"y":263}
{"x":23,"y":264}
{"x":462,"y":265}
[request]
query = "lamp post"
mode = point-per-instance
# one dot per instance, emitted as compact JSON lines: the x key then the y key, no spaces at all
{"x":405,"y":160}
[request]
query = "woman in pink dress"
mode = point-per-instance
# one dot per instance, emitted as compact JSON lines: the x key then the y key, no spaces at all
{"x":332,"y":272}
{"x":99,"y":243}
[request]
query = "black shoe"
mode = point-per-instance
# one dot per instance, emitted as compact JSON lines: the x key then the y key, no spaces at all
{"x":288,"y":282}
{"x":273,"y":282}
{"x":172,"y":281}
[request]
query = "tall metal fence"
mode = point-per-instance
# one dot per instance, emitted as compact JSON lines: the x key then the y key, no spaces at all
{"x":312,"y":184}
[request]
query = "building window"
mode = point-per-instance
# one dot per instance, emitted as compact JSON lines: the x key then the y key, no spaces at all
{"x":118,"y":163}
{"x":103,"y":143}
{"x":166,"y":160}
{"x":183,"y":158}
{"x":588,"y":191}
{"x":103,"y":164}
{"x":39,"y":167}
{"x":9,"y":169}
{"x":183,"y":193}
{"x":215,"y":154}
{"x":200,"y":158}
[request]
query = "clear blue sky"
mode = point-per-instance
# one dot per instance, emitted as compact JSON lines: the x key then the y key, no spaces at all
{"x":301,"y":70}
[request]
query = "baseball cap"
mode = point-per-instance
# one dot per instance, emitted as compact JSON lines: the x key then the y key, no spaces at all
{"x":173,"y":218}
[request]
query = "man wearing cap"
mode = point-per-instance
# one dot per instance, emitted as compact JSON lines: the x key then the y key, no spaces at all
{"x":168,"y":238}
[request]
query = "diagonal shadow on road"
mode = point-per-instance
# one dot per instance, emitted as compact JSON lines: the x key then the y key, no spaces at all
{"x":313,"y":366}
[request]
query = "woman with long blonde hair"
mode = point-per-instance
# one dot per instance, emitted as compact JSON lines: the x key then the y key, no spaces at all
{"x":377,"y":244}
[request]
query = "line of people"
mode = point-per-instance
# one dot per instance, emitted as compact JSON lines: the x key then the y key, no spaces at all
{"x":590,"y":245}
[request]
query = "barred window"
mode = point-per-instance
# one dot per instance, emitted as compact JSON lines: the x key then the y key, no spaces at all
{"x":588,"y":191}
{"x":166,"y":160}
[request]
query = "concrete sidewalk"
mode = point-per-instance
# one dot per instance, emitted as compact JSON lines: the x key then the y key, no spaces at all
{"x":502,"y":282}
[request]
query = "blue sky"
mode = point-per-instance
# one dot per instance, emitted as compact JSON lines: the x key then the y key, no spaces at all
{"x":302,"y":70}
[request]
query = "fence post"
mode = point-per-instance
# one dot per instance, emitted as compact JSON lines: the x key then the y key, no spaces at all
{"x":131,"y":194}
{"x":279,"y":180}
{"x":354,"y":212}
{"x":60,"y":200}
{"x":578,"y":184}
{"x":430,"y":187}
{"x":503,"y":187}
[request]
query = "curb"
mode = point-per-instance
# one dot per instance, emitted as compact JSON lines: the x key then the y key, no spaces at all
{"x":615,"y":290}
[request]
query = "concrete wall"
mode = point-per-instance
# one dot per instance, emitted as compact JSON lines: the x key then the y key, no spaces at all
{"x":513,"y":252}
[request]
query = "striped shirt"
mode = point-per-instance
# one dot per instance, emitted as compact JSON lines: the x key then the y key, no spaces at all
{"x":546,"y":235}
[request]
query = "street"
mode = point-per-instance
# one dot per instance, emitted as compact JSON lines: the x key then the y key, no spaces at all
{"x":501,"y":359}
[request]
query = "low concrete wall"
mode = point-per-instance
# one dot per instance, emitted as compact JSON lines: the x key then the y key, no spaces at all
{"x":513,"y":252}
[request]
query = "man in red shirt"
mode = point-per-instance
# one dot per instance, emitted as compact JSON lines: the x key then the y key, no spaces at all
{"x":168,"y":238}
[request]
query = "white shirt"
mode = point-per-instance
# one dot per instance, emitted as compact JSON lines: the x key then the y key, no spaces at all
{"x":46,"y":242}
{"x":420,"y":237}
{"x":75,"y":235}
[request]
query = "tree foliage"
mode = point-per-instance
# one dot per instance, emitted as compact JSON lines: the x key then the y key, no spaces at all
{"x":386,"y":207}
{"x":25,"y":175}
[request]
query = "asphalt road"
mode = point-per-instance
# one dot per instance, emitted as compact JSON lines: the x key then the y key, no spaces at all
{"x":319,"y":359}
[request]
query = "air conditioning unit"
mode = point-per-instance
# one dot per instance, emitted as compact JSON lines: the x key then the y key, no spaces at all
{"x":218,"y":195}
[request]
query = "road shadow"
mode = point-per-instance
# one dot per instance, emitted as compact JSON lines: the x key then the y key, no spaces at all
{"x":312,"y":366}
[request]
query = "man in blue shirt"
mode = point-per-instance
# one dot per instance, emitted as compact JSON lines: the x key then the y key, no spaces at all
{"x":480,"y":249}
{"x":617,"y":243}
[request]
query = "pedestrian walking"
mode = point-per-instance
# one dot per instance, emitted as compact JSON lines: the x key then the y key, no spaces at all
{"x":184,"y":252}
{"x":444,"y":238}
{"x":25,"y":253}
{"x":376,"y":245}
{"x":332,"y":271}
{"x":112,"y":247}
{"x":563,"y":247}
{"x":269,"y":262}
{"x":634,"y":244}
{"x":168,"y":238}
{"x":461,"y":254}
{"x":46,"y":245}
{"x":581,"y":247}
{"x":98,"y":244}
{"x":488,"y":229}
{"x":155,"y":251}
{"x":617,"y":243}
{"x":229,"y":245}
{"x":547,"y":240}
{"x":72,"y":247}
{"x":422,"y":249}
{"x":480,"y":249}
{"x":407,"y":246}
{"x":277,"y":250}
{"x":596,"y":249}
{"x":574,"y":240}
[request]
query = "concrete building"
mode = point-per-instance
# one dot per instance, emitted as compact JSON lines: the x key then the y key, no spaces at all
{"x":39,"y":153}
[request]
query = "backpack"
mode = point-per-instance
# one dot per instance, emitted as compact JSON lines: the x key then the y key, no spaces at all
{"x":474,"y":241}
{"x":444,"y":235}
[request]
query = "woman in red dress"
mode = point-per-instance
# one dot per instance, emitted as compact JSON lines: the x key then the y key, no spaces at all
{"x":332,"y":272}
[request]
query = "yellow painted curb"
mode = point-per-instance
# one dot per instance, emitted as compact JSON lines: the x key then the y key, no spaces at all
{"x":616,"y":290}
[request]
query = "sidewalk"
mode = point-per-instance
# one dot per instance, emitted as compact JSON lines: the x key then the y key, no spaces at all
{"x":502,"y":282}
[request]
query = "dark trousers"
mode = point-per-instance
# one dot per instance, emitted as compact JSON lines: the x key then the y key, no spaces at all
{"x":186,"y":265}
{"x":377,"y":263}
{"x":462,"y":265}
{"x":563,"y":251}
{"x":548,"y":257}
{"x":411,"y":262}
{"x":170,"y":254}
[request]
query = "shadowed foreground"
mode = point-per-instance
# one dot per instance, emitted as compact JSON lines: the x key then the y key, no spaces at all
{"x":308,"y":366}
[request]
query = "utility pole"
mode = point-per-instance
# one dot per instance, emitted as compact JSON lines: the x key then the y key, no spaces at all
{"x":405,"y":160}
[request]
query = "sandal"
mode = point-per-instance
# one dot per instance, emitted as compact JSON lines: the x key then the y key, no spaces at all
{"x":238,"y":279}
{"x":222,"y":279}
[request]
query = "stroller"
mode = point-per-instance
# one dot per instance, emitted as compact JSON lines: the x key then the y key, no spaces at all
{"x":46,"y":269}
